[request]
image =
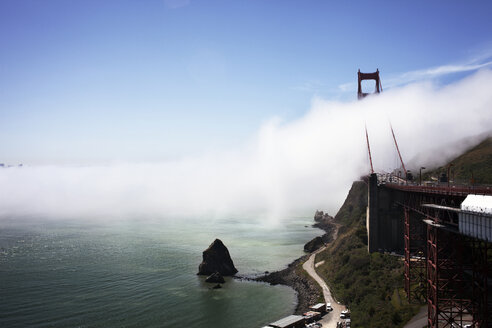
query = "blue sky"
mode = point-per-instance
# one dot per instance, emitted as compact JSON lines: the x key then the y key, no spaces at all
{"x":97,"y":81}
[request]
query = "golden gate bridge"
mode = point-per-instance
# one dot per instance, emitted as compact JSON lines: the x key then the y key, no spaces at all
{"x":444,"y":232}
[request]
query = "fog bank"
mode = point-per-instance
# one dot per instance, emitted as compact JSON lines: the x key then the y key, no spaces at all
{"x":287,"y":168}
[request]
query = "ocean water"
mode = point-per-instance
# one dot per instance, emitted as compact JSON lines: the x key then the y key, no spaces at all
{"x":142,"y":273}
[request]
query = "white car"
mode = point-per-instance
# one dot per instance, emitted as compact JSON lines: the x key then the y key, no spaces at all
{"x":328,"y":307}
{"x":345,"y":314}
{"x":313,"y":325}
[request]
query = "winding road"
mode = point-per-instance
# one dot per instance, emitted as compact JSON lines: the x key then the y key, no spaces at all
{"x":331,"y":318}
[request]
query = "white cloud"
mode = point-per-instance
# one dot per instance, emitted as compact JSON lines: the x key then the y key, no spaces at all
{"x":434,"y":72}
{"x":288,"y":168}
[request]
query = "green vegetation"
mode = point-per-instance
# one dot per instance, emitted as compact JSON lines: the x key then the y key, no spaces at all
{"x":475,"y":162}
{"x":371,"y":285}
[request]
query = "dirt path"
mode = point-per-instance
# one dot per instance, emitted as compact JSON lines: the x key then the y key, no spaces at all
{"x":331,"y":318}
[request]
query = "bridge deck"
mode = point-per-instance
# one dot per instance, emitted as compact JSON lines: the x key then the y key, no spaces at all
{"x":443,"y":190}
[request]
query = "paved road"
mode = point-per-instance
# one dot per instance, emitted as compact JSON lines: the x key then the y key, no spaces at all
{"x":331,"y":318}
{"x":419,"y":320}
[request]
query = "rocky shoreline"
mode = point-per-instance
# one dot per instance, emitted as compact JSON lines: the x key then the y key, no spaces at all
{"x":308,"y":291}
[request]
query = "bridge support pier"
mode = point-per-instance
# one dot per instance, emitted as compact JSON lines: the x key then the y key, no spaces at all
{"x":384,"y":222}
{"x":415,"y":257}
{"x":482,"y":303}
{"x":449,"y":297}
{"x":443,"y":265}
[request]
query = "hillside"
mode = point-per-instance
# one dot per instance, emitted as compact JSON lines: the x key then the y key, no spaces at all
{"x":371,"y":285}
{"x":476,"y":162}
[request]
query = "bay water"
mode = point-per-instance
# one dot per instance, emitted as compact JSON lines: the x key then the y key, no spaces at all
{"x":142,"y":273}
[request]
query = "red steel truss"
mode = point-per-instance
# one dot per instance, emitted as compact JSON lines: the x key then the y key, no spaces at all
{"x":450,"y":270}
{"x":415,"y":255}
{"x":449,"y":298}
{"x":482,"y":303}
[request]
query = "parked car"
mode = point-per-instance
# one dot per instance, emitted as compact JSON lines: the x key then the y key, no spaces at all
{"x":345,"y":314}
{"x":328,"y":307}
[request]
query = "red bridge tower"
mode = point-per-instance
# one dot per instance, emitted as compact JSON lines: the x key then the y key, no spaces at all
{"x":368,"y":76}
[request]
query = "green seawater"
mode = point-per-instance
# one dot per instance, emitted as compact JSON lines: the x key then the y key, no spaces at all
{"x":142,"y":273}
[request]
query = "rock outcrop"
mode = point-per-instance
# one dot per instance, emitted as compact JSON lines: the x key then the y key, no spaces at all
{"x":216,"y":258}
{"x":325,"y":222}
{"x":215,"y":278}
{"x":314,"y":244}
{"x":308,"y":291}
{"x":318,"y":215}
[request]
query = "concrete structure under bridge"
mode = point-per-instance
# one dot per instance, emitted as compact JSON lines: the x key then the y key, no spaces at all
{"x":445,"y":235}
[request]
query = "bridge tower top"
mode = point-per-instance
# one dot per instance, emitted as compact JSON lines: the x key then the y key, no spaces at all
{"x":368,"y":76}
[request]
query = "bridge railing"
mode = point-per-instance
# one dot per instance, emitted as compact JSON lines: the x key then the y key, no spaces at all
{"x":395,"y":182}
{"x":447,"y":190}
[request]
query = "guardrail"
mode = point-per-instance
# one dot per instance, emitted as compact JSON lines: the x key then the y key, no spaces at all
{"x":443,"y":190}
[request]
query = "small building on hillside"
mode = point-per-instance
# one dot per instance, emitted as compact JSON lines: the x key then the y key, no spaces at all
{"x":320,"y":307}
{"x":292,"y":321}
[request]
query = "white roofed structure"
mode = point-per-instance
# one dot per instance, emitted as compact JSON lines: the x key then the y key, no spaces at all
{"x":475,"y":218}
{"x":293,"y":321}
{"x":478,"y":204}
{"x":320,"y":307}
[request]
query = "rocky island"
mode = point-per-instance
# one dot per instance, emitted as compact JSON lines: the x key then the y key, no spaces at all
{"x":216,"y":259}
